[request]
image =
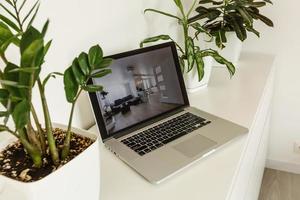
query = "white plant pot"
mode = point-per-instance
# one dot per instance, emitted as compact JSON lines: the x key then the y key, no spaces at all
{"x":77,"y":180}
{"x":191,"y":80}
{"x":232,"y":51}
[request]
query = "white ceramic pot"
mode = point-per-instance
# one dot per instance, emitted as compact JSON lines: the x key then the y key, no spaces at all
{"x":191,"y":80}
{"x":232,"y":51}
{"x":77,"y":180}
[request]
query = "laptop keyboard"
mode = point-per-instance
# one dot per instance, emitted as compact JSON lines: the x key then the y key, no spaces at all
{"x":160,"y":135}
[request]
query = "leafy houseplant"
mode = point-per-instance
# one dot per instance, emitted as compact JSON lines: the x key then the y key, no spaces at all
{"x":18,"y":80}
{"x":190,"y":52}
{"x":225,"y":16}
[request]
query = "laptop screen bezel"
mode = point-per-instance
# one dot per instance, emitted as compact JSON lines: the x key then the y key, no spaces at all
{"x":96,"y":106}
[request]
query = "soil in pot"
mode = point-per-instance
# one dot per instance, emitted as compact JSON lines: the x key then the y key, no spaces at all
{"x":16,"y":164}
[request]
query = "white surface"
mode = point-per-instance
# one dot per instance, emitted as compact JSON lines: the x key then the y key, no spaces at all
{"x":213,"y":178}
{"x":283,"y":41}
{"x":76,"y":25}
{"x":68,"y":182}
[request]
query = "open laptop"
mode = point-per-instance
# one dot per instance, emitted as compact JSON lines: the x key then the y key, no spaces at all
{"x":144,"y":117}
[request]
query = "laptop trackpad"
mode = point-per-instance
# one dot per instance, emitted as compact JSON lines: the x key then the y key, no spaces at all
{"x":194,"y":146}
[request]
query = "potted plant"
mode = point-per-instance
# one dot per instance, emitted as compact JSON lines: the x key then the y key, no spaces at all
{"x":194,"y":63}
{"x":228,"y":21}
{"x":51,"y":161}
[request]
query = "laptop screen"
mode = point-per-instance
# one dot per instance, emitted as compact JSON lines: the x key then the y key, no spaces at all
{"x":143,"y":84}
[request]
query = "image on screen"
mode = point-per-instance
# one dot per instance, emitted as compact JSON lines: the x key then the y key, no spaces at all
{"x":140,"y":87}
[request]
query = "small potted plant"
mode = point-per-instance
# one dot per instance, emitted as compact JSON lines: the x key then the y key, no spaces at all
{"x":228,"y":21}
{"x":194,"y":63}
{"x":49,"y":161}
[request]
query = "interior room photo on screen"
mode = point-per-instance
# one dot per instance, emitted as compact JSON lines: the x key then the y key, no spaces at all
{"x":140,"y":87}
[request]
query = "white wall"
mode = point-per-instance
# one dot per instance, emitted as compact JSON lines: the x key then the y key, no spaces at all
{"x":75,"y":25}
{"x":284,"y":42}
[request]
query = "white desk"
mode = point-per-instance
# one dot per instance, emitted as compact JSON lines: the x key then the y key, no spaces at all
{"x":235,"y":171}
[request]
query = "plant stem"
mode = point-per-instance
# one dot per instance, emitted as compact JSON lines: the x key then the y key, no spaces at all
{"x":18,"y":16}
{"x":39,"y":129}
{"x":3,"y":57}
{"x":192,"y":8}
{"x":48,"y":124}
{"x":67,"y":141}
{"x":34,"y":153}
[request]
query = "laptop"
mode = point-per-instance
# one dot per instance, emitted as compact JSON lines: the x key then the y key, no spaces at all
{"x":144,"y":117}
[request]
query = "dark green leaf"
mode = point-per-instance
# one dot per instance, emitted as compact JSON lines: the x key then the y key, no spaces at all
{"x":92,"y":88}
{"x":246,"y":16}
{"x":4,"y":94}
{"x":238,"y":28}
{"x":155,"y":39}
{"x":210,"y":1}
{"x":71,"y":87}
{"x":161,"y":12}
{"x":106,"y":62}
{"x":14,"y":39}
{"x":78,"y":74}
{"x":264,"y":19}
{"x":251,"y":29}
{"x":9,"y":23}
{"x":84,"y":63}
{"x":258,"y":4}
{"x":21,"y":114}
{"x":95,"y":56}
{"x":47,"y":47}
{"x":45,"y":28}
{"x":28,"y":37}
{"x":101,"y":73}
{"x":5,"y":33}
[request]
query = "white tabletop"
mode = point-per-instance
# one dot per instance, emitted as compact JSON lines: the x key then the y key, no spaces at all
{"x":209,"y":179}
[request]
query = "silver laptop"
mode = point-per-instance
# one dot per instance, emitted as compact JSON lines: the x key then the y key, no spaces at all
{"x":144,"y":117}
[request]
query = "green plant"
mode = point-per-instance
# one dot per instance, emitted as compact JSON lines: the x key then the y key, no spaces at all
{"x":230,"y":15}
{"x":19,"y":79}
{"x":191,"y":52}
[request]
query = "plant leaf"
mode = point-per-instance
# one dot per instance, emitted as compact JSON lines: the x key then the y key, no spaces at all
{"x":8,"y":11}
{"x":101,"y":73}
{"x":78,"y":74}
{"x":34,"y":15}
{"x":179,"y":4}
{"x":9,"y":23}
{"x":251,"y":29}
{"x":106,"y":62}
{"x":71,"y":87}
{"x":95,"y":56}
{"x":190,"y":53}
{"x":24,"y":69}
{"x":83,"y":61}
{"x":45,"y":28}
{"x":219,"y":59}
{"x":21,"y":114}
{"x":30,"y":11}
{"x":92,"y":88}
{"x":264,"y":19}
{"x":53,"y":75}
{"x":200,"y":66}
{"x":161,"y":12}
{"x":155,"y":39}
{"x":246,"y":16}
{"x":30,"y":35}
{"x":12,"y":84}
